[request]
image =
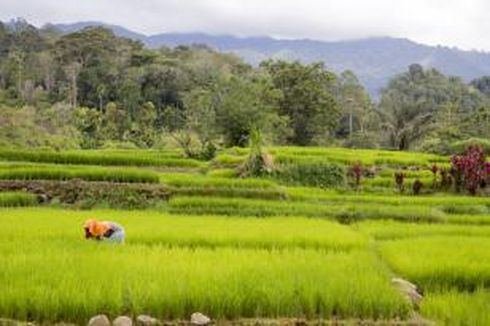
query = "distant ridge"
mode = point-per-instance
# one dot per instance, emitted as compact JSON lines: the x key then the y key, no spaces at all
{"x":374,"y":60}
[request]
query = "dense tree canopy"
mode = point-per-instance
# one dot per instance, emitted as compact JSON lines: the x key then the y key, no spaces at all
{"x":420,"y":100}
{"x":308,"y":99}
{"x":96,"y":89}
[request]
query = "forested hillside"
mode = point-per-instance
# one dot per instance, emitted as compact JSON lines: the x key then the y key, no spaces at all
{"x":92,"y":89}
{"x":374,"y":60}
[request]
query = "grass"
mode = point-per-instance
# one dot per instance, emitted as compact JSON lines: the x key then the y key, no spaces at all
{"x":60,"y":172}
{"x":458,"y":308}
{"x":444,"y":201}
{"x":392,"y":230}
{"x":469,"y":219}
{"x":243,"y":248}
{"x":345,"y":213}
{"x":14,"y":199}
{"x":129,"y":157}
{"x":441,"y":262}
{"x":157,"y":228}
{"x":187,"y":180}
{"x":71,"y":279}
{"x":293,"y":154}
{"x":199,"y":185}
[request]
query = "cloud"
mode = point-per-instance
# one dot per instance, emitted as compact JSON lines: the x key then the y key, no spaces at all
{"x":461,"y":23}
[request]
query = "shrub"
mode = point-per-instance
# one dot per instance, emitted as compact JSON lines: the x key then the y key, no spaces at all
{"x":83,"y":194}
{"x":470,"y":169}
{"x":446,"y":179}
{"x":461,"y":146}
{"x":434,"y":169}
{"x":355,"y":172}
{"x":417,"y":187}
{"x":323,"y":175}
{"x":258,"y":162}
{"x":400,"y":181}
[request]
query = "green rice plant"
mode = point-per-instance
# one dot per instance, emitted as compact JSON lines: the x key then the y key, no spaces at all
{"x":238,"y":151}
{"x":197,"y":185}
{"x":223,"y":173}
{"x":451,"y":204}
{"x":366,"y":157}
{"x":157,"y":228}
{"x":229,"y":192}
{"x":344,"y":213}
{"x":455,"y":208}
{"x":409,"y":174}
{"x":322,"y":175}
{"x":454,"y":308}
{"x":469,"y":219}
{"x":440,"y":262}
{"x":88,"y":194}
{"x":227,"y":160}
{"x":390,"y":230}
{"x":187,"y":180}
{"x":323,"y":155}
{"x":87,"y":157}
{"x":71,"y":279}
{"x":92,"y":173}
{"x":14,"y":199}
{"x":389,"y":182}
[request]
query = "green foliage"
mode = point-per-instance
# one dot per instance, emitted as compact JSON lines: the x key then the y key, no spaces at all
{"x":458,"y":308}
{"x":82,"y":194}
{"x":322,"y":175}
{"x":132,"y":158}
{"x":258,"y":163}
{"x":345,"y":213}
{"x":360,"y":120}
{"x":263,"y":268}
{"x":460,"y":146}
{"x":37,"y":127}
{"x":416,"y":100}
{"x":14,"y":199}
{"x":308,"y":101}
{"x":441,"y":262}
{"x":58,"y":172}
{"x":195,"y":185}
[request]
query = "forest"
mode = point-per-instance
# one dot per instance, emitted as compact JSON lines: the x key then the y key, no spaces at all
{"x":91,"y":89}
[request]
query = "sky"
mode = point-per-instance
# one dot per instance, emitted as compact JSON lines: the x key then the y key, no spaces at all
{"x":455,"y":23}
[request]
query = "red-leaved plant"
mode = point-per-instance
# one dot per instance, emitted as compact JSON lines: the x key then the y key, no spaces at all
{"x":434,"y":170}
{"x":356,"y":172}
{"x":470,"y":170}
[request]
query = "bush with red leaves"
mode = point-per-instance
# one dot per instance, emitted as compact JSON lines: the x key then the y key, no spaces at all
{"x":355,"y":172}
{"x":470,"y":170}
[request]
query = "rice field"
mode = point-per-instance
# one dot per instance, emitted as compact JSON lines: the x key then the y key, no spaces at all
{"x":68,"y":172}
{"x":320,"y":272}
{"x":236,"y":248}
{"x":13,"y":199}
{"x":458,"y":308}
{"x":102,"y":157}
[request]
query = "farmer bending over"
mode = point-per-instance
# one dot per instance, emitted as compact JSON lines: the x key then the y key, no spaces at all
{"x":103,"y":230}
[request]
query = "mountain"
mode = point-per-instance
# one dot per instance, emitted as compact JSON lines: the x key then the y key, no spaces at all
{"x":374,"y":60}
{"x":118,"y":30}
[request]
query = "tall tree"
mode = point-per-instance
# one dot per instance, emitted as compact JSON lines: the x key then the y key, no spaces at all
{"x":308,"y":99}
{"x":412,"y":99}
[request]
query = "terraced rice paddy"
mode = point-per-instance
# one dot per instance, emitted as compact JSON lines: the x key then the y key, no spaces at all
{"x":237,"y":248}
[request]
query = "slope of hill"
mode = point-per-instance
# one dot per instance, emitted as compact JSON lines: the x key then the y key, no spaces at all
{"x":374,"y":60}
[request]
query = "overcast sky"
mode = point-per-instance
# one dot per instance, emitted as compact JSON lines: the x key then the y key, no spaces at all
{"x":461,"y":23}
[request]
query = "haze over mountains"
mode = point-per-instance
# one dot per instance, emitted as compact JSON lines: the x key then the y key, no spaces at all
{"x":374,"y":60}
